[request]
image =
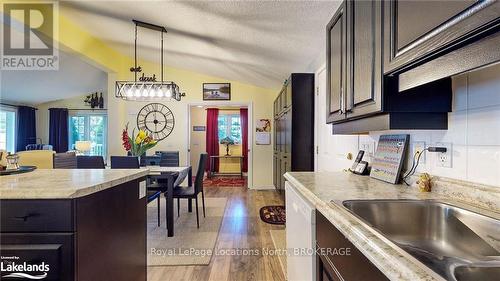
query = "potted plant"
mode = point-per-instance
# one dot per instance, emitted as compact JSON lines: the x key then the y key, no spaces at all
{"x":137,"y":145}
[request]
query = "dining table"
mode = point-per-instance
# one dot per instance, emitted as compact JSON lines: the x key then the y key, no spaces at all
{"x":173,"y":176}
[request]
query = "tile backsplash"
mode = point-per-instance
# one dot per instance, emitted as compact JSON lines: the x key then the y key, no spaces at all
{"x":473,"y":130}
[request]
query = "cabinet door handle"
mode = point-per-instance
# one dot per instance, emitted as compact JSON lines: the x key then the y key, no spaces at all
{"x":25,"y":218}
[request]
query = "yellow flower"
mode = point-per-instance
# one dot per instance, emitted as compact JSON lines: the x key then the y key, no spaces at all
{"x":142,"y":135}
{"x":138,"y":140}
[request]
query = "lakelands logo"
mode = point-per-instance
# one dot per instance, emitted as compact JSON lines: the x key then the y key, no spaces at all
{"x":29,"y":36}
{"x":24,"y":270}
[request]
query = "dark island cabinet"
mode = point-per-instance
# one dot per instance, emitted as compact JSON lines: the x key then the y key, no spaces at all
{"x":338,"y":259}
{"x":100,"y":236}
{"x":417,"y":32}
{"x":293,"y":128}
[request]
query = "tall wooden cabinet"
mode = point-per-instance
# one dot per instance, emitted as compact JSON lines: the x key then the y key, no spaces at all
{"x":293,"y":128}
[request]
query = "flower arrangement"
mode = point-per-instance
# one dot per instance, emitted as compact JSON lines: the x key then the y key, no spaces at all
{"x":137,"y":145}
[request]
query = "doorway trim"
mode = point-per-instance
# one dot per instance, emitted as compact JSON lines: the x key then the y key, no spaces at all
{"x":248,"y":105}
{"x":317,"y":113}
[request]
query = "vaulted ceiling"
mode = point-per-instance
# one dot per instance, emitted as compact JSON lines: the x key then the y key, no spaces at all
{"x":258,"y":42}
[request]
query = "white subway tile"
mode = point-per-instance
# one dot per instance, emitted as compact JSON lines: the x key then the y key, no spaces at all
{"x":484,"y":87}
{"x":459,"y":85}
{"x":483,"y":165}
{"x":483,"y":126}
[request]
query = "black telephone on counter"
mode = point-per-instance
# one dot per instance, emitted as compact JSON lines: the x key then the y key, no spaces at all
{"x":359,"y":167}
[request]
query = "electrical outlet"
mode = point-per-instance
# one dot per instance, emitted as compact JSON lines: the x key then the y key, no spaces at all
{"x":444,"y":159}
{"x":419,"y":146}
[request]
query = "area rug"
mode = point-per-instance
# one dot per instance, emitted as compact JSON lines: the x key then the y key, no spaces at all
{"x":279,"y":241}
{"x":190,"y":245}
{"x":225,"y":181}
{"x":273,"y":214}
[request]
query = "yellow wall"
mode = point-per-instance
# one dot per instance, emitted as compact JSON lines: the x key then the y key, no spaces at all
{"x":198,"y":142}
{"x":75,"y":40}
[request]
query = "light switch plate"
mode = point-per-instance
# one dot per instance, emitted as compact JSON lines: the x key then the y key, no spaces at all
{"x":419,"y":146}
{"x":142,"y":189}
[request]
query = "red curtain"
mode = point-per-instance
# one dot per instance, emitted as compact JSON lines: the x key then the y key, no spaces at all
{"x":244,"y":137}
{"x":212,"y":137}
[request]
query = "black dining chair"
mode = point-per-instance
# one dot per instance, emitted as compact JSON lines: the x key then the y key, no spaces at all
{"x":132,"y":162}
{"x":65,"y":160}
{"x":191,"y":192}
{"x":169,"y":158}
{"x":152,"y":160}
{"x":89,"y":162}
{"x":124,"y":162}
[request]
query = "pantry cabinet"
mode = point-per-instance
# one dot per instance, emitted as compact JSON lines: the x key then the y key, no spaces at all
{"x":294,"y":128}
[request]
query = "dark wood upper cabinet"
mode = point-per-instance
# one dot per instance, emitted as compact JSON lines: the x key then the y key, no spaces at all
{"x":389,"y":63}
{"x":418,"y":32}
{"x":364,"y":67}
{"x":336,"y":57}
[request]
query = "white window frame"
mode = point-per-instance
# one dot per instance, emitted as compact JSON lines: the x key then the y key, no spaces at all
{"x":87,"y":114}
{"x":14,"y":138}
{"x":228,"y":117}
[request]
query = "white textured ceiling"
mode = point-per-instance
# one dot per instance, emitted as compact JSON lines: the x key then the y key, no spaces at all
{"x":74,"y":77}
{"x":258,"y":42}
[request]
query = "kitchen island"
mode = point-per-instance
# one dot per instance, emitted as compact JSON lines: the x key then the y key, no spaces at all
{"x":74,"y":224}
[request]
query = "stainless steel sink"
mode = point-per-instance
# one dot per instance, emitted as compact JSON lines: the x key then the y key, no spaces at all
{"x":457,"y":244}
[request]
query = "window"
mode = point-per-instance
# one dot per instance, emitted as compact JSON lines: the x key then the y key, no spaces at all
{"x":89,"y":127}
{"x":230,"y":125}
{"x":7,"y":130}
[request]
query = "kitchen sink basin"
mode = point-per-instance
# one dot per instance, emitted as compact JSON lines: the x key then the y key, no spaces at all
{"x":456,"y":243}
{"x":474,"y":273}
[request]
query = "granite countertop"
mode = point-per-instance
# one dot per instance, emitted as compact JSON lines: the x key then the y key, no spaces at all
{"x":327,"y":191}
{"x":64,"y":183}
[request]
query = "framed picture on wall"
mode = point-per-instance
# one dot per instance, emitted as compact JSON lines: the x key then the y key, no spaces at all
{"x":216,"y":91}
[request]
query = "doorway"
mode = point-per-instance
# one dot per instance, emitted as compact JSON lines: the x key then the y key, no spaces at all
{"x":229,"y":127}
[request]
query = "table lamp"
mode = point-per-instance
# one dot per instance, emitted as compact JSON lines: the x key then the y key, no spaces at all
{"x":227,"y":141}
{"x":83,"y":147}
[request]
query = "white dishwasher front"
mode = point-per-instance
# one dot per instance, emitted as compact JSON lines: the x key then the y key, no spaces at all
{"x":300,"y":236}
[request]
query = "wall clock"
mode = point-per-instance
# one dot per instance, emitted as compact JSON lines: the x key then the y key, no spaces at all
{"x":157,"y":120}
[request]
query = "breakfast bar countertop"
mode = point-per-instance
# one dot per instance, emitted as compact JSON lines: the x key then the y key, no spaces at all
{"x":327,"y":190}
{"x":64,"y":183}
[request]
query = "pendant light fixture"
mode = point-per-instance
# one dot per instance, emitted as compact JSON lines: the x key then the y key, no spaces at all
{"x":147,"y":88}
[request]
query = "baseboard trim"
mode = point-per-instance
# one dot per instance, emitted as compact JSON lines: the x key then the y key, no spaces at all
{"x":263,"y":187}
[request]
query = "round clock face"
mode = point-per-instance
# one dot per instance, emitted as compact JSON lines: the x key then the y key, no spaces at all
{"x":157,"y":120}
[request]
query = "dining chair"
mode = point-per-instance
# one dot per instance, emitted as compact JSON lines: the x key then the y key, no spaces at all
{"x":132,"y":162}
{"x":42,"y":159}
{"x":89,"y":162}
{"x":150,"y":160}
{"x":65,"y":160}
{"x":191,"y":192}
{"x":169,"y":158}
{"x":125,"y":162}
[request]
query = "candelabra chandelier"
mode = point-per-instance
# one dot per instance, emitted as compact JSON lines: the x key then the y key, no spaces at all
{"x":147,"y":88}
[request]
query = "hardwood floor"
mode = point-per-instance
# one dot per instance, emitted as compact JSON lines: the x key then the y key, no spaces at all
{"x":241,"y":229}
